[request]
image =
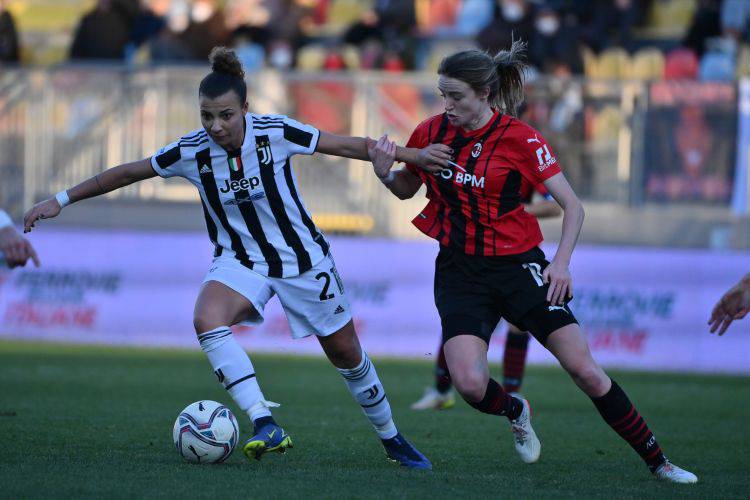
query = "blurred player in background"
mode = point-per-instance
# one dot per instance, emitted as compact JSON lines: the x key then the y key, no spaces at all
{"x":735,"y":304}
{"x":15,"y":250}
{"x":490,"y":265}
{"x":539,"y":203}
{"x":265,"y":244}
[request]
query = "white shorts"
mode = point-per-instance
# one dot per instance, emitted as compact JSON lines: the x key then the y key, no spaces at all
{"x":314,"y":302}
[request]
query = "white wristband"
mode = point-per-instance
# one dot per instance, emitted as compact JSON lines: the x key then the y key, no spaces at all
{"x":62,"y":198}
{"x":5,"y":220}
{"x":388,"y":178}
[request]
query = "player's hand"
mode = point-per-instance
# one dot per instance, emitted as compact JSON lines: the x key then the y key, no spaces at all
{"x":560,"y":283}
{"x":735,"y":304}
{"x":15,"y":248}
{"x":382,"y":155}
{"x":435,"y":157}
{"x":43,"y":210}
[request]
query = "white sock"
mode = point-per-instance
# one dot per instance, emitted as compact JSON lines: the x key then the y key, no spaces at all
{"x":365,"y":386}
{"x":232,"y":366}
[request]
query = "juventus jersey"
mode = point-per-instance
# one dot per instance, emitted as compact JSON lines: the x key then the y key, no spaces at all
{"x":250,"y":200}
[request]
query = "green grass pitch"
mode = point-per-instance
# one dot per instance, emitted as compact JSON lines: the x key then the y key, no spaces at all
{"x":97,"y":422}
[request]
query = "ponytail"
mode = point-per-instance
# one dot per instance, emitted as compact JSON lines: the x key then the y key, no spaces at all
{"x":509,"y":66}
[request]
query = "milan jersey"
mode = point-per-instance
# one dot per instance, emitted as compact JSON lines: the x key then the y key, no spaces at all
{"x":250,"y":199}
{"x":477,"y":207}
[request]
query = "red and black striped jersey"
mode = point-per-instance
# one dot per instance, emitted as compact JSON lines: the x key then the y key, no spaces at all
{"x":477,"y":207}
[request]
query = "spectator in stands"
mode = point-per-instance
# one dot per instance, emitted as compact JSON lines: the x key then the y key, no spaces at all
{"x":387,"y":25}
{"x":611,"y":23}
{"x":704,"y":25}
{"x":207,"y":29}
{"x":735,"y":19}
{"x":8,"y":37}
{"x":15,"y":250}
{"x":513,"y":21}
{"x":148,"y":24}
{"x":169,"y":44}
{"x":248,"y":43}
{"x":103,"y":32}
{"x":554,"y":43}
{"x":735,"y":304}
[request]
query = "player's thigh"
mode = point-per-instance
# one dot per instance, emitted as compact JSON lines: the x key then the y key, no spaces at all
{"x":230,"y":294}
{"x":315,"y":302}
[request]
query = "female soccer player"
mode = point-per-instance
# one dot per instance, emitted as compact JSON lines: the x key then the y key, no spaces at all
{"x":489,"y":265}
{"x":539,"y":203}
{"x":265,"y":244}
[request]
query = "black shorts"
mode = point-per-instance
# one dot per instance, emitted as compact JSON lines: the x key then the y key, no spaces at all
{"x":472,"y":294}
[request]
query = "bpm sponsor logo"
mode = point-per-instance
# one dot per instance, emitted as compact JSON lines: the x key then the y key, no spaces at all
{"x":461,"y":177}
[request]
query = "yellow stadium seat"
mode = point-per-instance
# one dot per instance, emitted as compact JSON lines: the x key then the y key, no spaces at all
{"x":647,"y":64}
{"x":351,"y":56}
{"x":614,"y":63}
{"x":311,"y":58}
{"x":671,"y":17}
{"x":743,"y":61}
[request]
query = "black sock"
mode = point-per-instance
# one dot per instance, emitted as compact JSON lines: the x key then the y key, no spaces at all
{"x":617,"y":410}
{"x":260,"y":422}
{"x":498,"y":402}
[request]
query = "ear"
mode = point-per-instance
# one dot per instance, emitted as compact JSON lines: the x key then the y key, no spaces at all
{"x":245,"y":107}
{"x":484,"y":94}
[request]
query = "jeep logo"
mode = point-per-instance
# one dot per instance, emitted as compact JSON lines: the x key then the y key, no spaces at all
{"x":240,"y":185}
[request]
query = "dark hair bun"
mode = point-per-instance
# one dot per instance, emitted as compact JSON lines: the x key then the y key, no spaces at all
{"x":224,"y":60}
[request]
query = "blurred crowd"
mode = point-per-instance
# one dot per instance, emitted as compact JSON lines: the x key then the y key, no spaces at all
{"x":563,"y":36}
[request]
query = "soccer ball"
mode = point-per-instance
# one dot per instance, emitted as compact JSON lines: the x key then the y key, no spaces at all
{"x":205,"y":432}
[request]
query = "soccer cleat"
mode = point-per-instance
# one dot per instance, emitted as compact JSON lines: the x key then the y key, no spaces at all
{"x":670,"y":472}
{"x":527,"y":444}
{"x":434,"y":400}
{"x":270,"y":437}
{"x":401,"y":451}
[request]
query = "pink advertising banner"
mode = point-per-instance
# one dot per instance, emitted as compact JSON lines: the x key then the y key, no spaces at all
{"x":640,"y":308}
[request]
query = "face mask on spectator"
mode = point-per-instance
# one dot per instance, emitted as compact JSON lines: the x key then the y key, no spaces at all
{"x":547,"y":25}
{"x":512,"y":11}
{"x":201,"y":12}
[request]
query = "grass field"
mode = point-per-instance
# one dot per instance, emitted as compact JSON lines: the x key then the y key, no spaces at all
{"x":96,"y":422}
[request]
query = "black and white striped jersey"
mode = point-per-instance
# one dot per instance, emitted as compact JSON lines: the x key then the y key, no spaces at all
{"x":250,"y":199}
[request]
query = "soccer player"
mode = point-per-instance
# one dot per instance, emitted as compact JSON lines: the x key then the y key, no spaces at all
{"x":15,"y":250}
{"x":266,"y":244}
{"x":490,"y":265}
{"x":735,"y":304}
{"x":539,"y":203}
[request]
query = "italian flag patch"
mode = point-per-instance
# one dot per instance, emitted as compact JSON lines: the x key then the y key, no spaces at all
{"x":235,"y":164}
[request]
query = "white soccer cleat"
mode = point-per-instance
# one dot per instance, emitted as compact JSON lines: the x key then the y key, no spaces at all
{"x":670,"y":472}
{"x":434,"y":400}
{"x":527,"y":444}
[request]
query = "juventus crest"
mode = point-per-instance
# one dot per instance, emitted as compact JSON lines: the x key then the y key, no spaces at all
{"x":263,"y":148}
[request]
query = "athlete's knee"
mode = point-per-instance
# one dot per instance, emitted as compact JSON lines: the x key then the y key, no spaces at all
{"x":205,"y":321}
{"x":471,"y":384}
{"x":342,"y":347}
{"x":588,"y":376}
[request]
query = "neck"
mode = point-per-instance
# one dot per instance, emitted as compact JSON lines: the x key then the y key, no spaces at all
{"x":236,"y":142}
{"x":481,"y":120}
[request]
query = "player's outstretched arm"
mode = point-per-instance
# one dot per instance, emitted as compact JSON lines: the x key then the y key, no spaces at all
{"x":432,"y":158}
{"x":109,"y":180}
{"x":557,"y":273}
{"x":735,"y":304}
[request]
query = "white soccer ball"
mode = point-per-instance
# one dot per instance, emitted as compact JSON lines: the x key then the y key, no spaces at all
{"x":205,"y":432}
